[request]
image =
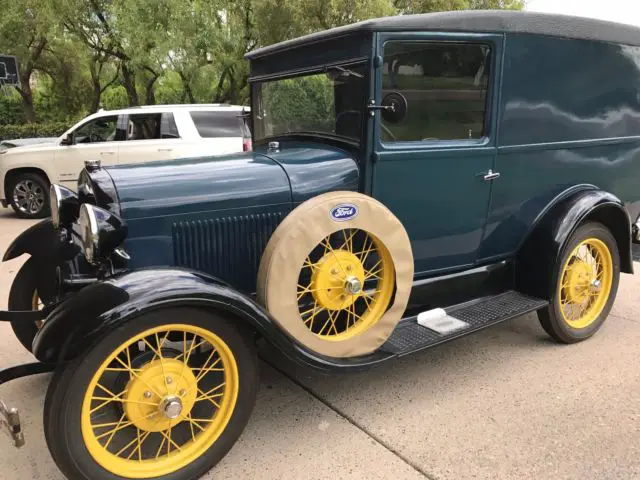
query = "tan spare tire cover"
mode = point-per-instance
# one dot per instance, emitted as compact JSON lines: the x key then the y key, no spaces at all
{"x":302,"y":231}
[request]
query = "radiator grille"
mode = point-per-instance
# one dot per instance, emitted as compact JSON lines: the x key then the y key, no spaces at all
{"x":228,"y":247}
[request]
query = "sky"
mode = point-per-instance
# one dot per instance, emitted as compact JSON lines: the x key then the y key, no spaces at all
{"x":624,"y":11}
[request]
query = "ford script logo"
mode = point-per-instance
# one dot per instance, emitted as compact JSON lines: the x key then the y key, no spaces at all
{"x":344,"y":212}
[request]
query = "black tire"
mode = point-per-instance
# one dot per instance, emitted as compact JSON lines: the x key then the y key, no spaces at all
{"x":63,"y":404}
{"x":21,"y":298}
{"x":551,"y":318}
{"x":40,"y":187}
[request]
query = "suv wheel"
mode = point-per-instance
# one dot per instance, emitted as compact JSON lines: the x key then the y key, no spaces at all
{"x":28,"y":194}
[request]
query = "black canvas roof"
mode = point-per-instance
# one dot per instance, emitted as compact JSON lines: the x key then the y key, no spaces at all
{"x":482,"y":21}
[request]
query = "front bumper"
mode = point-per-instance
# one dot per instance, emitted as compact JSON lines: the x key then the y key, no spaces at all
{"x":10,"y":416}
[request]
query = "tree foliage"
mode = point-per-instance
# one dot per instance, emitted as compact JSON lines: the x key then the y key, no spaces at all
{"x":80,"y":55}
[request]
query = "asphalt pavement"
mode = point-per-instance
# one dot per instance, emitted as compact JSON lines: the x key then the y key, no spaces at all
{"x":506,"y":403}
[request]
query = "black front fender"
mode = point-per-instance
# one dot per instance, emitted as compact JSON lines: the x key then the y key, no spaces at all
{"x":85,"y":317}
{"x":541,"y":251}
{"x":38,"y":240}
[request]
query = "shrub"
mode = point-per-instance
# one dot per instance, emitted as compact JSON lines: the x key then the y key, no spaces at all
{"x":29,"y":130}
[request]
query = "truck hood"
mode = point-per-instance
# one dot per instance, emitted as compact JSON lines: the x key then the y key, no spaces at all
{"x":232,"y":182}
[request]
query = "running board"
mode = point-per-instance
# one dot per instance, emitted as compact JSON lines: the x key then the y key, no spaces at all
{"x":441,"y":325}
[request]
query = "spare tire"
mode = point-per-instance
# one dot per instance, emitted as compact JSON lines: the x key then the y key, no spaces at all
{"x":337,"y":273}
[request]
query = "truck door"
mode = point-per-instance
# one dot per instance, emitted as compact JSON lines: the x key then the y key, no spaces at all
{"x":433,"y":155}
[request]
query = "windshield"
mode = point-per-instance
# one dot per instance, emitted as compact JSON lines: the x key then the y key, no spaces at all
{"x":326,"y":103}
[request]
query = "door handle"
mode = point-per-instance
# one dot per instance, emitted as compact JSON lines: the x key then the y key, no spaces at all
{"x":165,"y":149}
{"x":107,"y":153}
{"x":490,"y":175}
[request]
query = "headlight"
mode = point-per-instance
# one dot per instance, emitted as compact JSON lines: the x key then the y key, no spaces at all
{"x":100,"y":232}
{"x":64,"y":204}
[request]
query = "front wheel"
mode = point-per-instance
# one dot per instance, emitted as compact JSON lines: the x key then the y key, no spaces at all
{"x":24,"y":295}
{"x":28,"y":194}
{"x":587,"y":283}
{"x":165,"y":397}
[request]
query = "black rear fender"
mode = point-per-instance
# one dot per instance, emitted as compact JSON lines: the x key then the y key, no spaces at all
{"x":537,"y":258}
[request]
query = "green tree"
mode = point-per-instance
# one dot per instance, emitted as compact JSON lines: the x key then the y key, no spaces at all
{"x":26,"y":30}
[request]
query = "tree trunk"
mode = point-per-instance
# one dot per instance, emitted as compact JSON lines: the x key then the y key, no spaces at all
{"x":27,"y":96}
{"x":150,"y":96}
{"x":129,"y":83}
{"x":187,"y":92}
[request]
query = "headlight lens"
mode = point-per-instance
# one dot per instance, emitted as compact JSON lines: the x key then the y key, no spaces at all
{"x":64,"y":206}
{"x":100,"y":232}
{"x":89,"y":233}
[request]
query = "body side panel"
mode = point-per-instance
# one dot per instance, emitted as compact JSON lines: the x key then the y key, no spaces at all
{"x":562,"y":123}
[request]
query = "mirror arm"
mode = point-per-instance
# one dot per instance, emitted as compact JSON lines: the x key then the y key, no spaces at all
{"x":373,"y":107}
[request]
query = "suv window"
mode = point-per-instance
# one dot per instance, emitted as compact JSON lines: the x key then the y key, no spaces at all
{"x":103,"y":129}
{"x":445,"y":85}
{"x":215,"y":124}
{"x":152,"y":126}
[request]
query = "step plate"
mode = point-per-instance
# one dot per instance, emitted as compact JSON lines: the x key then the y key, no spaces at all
{"x":410,"y":336}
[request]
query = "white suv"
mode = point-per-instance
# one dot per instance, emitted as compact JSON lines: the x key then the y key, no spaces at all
{"x":132,"y":135}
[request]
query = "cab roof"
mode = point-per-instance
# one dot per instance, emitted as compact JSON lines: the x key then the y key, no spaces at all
{"x":476,"y":21}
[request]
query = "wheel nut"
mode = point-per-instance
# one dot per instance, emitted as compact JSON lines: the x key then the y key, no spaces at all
{"x":348,"y":268}
{"x":169,"y":380}
{"x":182,"y":392}
{"x":334,"y":271}
{"x":147,"y":394}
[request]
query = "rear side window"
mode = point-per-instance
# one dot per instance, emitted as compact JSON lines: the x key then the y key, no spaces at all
{"x":445,"y":86}
{"x":152,"y":126}
{"x":219,"y":124}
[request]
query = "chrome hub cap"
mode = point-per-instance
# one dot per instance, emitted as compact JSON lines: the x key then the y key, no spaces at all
{"x":352,"y":286}
{"x":28,"y":197}
{"x":171,"y":407}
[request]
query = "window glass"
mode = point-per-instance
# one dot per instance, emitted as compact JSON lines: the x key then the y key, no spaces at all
{"x":103,"y":129}
{"x":215,"y":124}
{"x":445,"y":85}
{"x":168,"y":127}
{"x":152,"y":126}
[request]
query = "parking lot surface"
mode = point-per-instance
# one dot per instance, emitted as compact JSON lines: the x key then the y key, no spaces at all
{"x":503,"y":403}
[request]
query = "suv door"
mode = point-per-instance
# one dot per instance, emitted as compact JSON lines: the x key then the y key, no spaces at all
{"x":150,"y":136}
{"x":432,"y":168}
{"x":96,"y":139}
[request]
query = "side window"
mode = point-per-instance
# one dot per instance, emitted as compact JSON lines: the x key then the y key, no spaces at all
{"x":154,"y":126}
{"x":216,"y":124}
{"x":103,"y":129}
{"x":445,"y":85}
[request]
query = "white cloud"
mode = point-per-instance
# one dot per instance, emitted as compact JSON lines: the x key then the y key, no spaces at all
{"x":623,"y":11}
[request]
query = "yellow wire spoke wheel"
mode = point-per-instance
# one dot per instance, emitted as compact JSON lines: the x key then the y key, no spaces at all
{"x":585,"y":283}
{"x":159,"y":401}
{"x":346,"y":284}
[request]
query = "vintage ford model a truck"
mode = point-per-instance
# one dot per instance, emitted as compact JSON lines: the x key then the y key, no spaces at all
{"x":414,"y":179}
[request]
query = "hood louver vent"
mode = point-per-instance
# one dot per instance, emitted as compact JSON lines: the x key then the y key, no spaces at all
{"x":229,"y":248}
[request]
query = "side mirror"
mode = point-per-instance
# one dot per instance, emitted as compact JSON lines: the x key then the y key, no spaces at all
{"x":394,"y":107}
{"x":67,"y":139}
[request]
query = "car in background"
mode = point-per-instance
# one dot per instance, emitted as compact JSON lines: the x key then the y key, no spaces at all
{"x":131,"y":135}
{"x":23,"y":142}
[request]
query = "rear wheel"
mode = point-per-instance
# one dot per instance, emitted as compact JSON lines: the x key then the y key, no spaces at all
{"x":587,"y":283}
{"x":28,"y":194}
{"x":165,"y":396}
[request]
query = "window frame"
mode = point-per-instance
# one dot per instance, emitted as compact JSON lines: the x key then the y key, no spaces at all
{"x":488,"y":139}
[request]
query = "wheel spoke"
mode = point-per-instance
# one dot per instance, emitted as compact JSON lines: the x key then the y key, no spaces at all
{"x":210,"y":398}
